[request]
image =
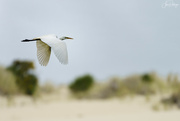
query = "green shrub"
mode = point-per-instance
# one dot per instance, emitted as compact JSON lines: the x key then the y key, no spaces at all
{"x":82,"y":84}
{"x":147,"y":78}
{"x":7,"y":82}
{"x":26,"y":81}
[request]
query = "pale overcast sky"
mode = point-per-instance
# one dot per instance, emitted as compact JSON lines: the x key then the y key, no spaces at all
{"x":111,"y":37}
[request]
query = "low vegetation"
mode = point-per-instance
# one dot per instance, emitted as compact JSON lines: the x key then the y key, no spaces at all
{"x":19,"y":78}
{"x":174,"y":86}
{"x":81,"y":85}
{"x":8,"y":84}
{"x":25,"y":79}
{"x":146,"y":84}
{"x":47,"y":88}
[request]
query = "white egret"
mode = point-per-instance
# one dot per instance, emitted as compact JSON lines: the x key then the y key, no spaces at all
{"x":44,"y":45}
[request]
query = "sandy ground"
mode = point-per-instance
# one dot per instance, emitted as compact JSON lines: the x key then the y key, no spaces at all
{"x":136,"y":109}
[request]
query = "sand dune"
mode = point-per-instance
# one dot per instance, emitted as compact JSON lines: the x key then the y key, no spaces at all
{"x":137,"y":109}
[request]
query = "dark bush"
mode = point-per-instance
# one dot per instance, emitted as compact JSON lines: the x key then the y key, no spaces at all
{"x":82,"y":84}
{"x":147,"y":78}
{"x":25,"y":80}
{"x":174,"y":99}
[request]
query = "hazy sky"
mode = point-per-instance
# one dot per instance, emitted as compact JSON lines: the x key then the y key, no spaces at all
{"x":111,"y":37}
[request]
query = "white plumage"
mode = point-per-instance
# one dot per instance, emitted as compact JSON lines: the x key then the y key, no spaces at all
{"x":44,"y":45}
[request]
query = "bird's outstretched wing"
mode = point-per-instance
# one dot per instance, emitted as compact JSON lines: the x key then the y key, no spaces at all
{"x":43,"y":52}
{"x":60,"y":50}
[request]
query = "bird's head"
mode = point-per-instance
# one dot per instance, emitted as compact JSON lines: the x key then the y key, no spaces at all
{"x":63,"y":38}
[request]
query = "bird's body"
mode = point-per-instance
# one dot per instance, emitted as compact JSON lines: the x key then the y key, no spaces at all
{"x":44,"y":45}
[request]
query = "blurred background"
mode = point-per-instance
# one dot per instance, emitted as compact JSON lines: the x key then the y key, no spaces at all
{"x":124,"y":55}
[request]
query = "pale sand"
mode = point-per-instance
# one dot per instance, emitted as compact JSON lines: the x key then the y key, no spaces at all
{"x":136,"y":109}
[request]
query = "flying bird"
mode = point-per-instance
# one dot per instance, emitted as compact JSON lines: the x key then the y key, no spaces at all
{"x":44,"y":45}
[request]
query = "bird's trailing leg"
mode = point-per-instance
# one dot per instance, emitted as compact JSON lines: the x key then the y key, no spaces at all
{"x":29,"y":40}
